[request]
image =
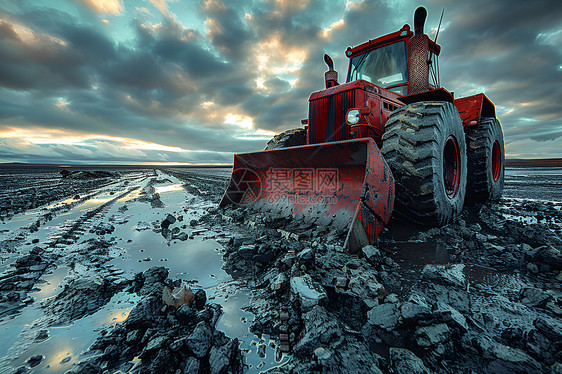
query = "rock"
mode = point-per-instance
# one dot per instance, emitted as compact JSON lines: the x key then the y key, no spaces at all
{"x":496,"y":249}
{"x":186,"y":314}
{"x":111,"y":352}
{"x":200,"y":340}
{"x":133,"y":336}
{"x":145,"y":313}
{"x":352,"y":264}
{"x":161,"y":362}
{"x":340,"y":282}
{"x":322,"y":354}
{"x":385,"y":316}
{"x":288,"y":138}
{"x":406,"y":362}
{"x":35,"y":360}
{"x":320,"y":329}
{"x":169,"y":220}
{"x":446,"y":313}
{"x":503,"y":359}
{"x":42,"y":335}
{"x":373,"y":255}
{"x":306,"y":256}
{"x":447,"y":275}
{"x":279,"y":283}
{"x":237,"y":242}
{"x":247,"y":251}
{"x":534,"y":297}
{"x":156,"y":343}
{"x":415,"y":311}
{"x":428,"y":336}
{"x":549,"y":255}
{"x":326,"y":360}
{"x":166,"y":233}
{"x":219,"y":360}
{"x":366,"y":286}
{"x":549,"y":328}
{"x":178,"y":296}
{"x":392,"y":298}
{"x":200,"y":299}
{"x":532,"y":267}
{"x":190,"y":365}
{"x":39,"y":267}
{"x":181,"y":236}
{"x":309,"y":294}
{"x":266,"y":257}
{"x":152,"y":280}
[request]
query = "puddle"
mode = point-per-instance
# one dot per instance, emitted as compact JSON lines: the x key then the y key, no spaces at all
{"x":197,"y":261}
{"x":169,"y":188}
{"x":51,"y":287}
{"x":421,"y":253}
{"x":485,"y":277}
{"x":65,"y":344}
{"x":235,"y":322}
{"x":413,"y":256}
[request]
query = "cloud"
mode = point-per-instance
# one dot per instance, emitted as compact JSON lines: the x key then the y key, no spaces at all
{"x":219,"y":77}
{"x":104,"y":6}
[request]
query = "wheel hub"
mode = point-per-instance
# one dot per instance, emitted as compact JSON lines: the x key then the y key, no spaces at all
{"x":496,"y":161}
{"x":451,"y":166}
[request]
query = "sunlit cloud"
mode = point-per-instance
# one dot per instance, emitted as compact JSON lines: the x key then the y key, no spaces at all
{"x":56,"y":137}
{"x":61,"y":104}
{"x":104,"y":6}
{"x":32,"y":37}
{"x":239,"y":120}
{"x":161,"y":5}
{"x":274,"y":56}
{"x":327,"y":32}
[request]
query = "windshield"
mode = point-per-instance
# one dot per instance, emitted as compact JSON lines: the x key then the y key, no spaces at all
{"x":384,"y":66}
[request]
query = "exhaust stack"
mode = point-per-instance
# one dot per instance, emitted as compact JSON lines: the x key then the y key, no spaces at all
{"x":331,"y":75}
{"x":419,"y":20}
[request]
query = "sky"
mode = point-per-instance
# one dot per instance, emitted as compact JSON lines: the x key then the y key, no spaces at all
{"x":176,"y":81}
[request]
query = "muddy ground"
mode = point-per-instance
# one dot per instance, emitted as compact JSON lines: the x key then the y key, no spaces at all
{"x":139,"y":271}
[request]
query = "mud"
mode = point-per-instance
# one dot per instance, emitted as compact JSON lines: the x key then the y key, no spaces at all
{"x":139,"y":271}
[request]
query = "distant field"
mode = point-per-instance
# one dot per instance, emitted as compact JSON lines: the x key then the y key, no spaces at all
{"x":551,"y":162}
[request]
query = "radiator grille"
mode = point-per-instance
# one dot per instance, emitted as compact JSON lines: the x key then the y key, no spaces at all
{"x":326,"y":117}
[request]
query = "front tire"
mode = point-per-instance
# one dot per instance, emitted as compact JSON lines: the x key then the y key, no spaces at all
{"x":288,"y":138}
{"x":486,"y":160}
{"x":424,"y":145}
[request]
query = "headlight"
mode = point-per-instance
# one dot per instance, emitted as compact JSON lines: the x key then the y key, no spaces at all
{"x":353,"y":116}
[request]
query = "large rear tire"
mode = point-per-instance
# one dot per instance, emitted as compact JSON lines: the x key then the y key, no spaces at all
{"x":424,"y":145}
{"x":289,"y":138}
{"x":486,"y":161}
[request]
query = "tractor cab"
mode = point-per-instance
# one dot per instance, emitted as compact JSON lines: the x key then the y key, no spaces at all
{"x":384,"y":74}
{"x":385,"y":61}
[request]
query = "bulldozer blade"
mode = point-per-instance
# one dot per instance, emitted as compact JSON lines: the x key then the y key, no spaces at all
{"x":343,"y":185}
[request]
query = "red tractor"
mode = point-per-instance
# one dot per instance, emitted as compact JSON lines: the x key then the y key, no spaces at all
{"x":388,"y":141}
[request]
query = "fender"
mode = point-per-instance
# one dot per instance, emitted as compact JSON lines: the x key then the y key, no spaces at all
{"x":473,"y":108}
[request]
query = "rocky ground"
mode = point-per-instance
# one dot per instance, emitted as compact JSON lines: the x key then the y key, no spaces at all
{"x":481,"y":295}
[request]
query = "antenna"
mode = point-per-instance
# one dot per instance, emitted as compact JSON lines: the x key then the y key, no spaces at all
{"x":435,"y":70}
{"x":439,"y":27}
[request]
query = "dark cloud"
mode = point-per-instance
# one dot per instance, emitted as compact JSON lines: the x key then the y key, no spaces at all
{"x":173,"y":83}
